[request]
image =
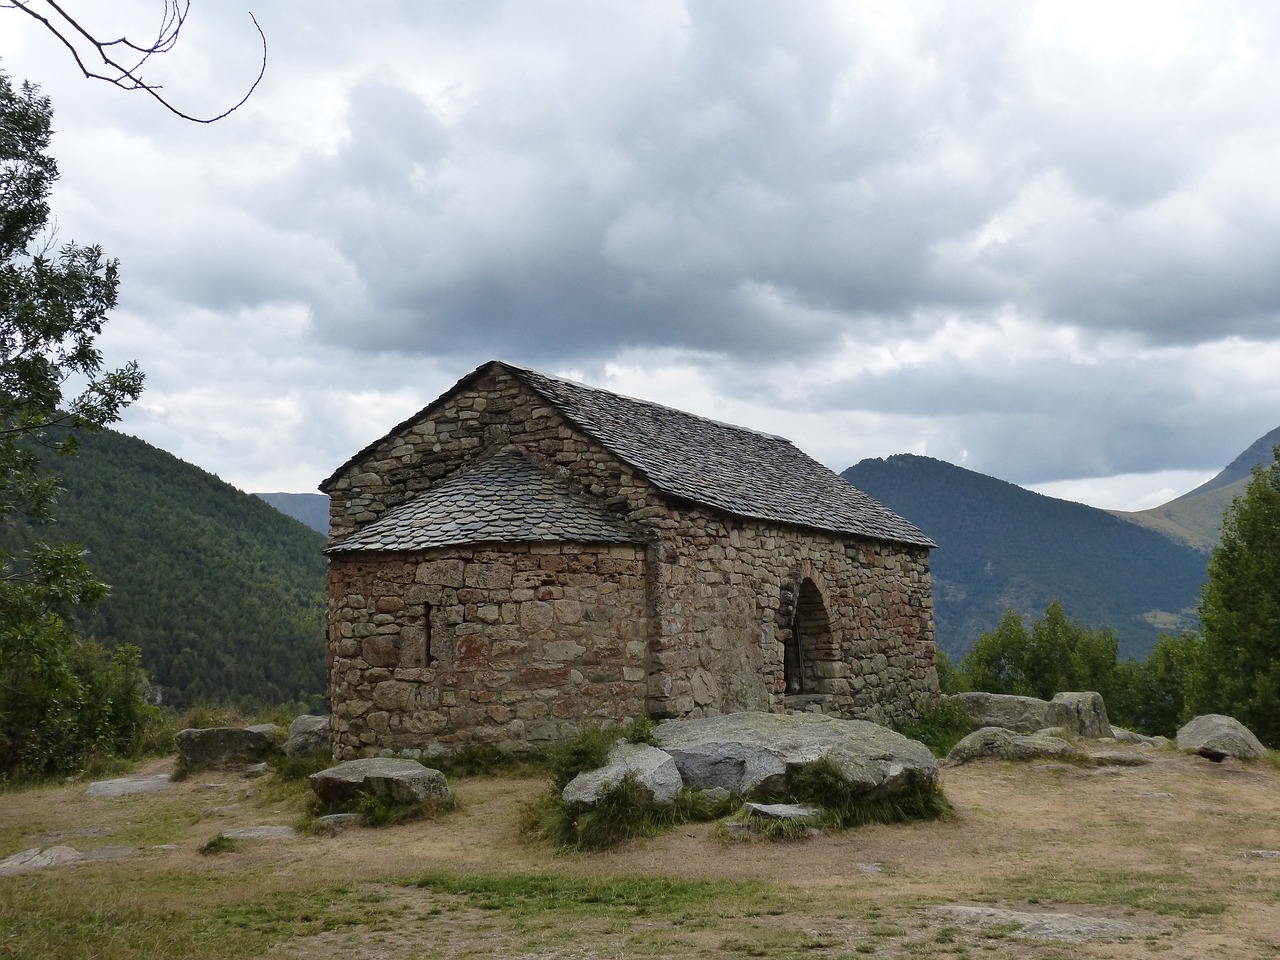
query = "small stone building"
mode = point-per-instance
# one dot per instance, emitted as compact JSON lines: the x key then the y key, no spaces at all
{"x":527,"y":555}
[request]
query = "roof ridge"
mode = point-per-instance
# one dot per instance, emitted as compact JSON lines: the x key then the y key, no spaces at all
{"x":650,"y":403}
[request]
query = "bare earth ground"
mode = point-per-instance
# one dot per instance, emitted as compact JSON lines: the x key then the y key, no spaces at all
{"x":1170,"y":848}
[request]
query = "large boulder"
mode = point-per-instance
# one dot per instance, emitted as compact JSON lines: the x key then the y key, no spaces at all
{"x":404,"y":781}
{"x":1084,"y":714}
{"x":217,"y":748}
{"x":1217,"y":737}
{"x":1020,"y":714}
{"x":748,"y":753}
{"x":997,"y":743}
{"x":308,"y":736}
{"x":654,"y":770}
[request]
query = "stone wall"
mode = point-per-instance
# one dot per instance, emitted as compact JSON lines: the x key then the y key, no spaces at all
{"x":724,"y":591}
{"x":514,"y":647}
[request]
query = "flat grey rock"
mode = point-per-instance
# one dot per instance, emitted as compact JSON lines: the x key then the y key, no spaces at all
{"x":337,"y":822}
{"x":260,"y":833}
{"x":1264,"y":854}
{"x":1066,"y":927}
{"x":781,"y":811}
{"x":37,"y":859}
{"x":404,"y":781}
{"x":756,"y":752}
{"x":128,"y":785}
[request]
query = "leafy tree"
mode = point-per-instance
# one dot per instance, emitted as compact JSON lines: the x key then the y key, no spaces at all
{"x":1240,"y":609}
{"x":52,"y":383}
{"x":1159,"y":694}
{"x":1056,"y":654}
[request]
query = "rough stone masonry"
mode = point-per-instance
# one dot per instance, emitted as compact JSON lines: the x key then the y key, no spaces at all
{"x":527,"y":555}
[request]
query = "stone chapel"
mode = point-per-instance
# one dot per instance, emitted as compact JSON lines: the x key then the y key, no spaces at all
{"x":527,"y":555}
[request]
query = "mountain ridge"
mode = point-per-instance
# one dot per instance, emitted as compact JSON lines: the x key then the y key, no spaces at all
{"x":1001,"y":546}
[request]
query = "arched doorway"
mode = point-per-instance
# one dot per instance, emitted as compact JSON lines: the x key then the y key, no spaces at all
{"x":810,"y":633}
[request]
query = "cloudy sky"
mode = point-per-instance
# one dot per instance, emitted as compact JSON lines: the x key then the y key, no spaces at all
{"x":1039,"y":240}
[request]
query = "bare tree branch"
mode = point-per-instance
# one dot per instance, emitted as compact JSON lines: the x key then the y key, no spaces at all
{"x":72,"y":35}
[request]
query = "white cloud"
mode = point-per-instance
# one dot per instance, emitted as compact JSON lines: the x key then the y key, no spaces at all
{"x":1035,"y":238}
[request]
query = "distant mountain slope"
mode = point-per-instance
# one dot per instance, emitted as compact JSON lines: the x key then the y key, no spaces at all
{"x":309,"y":508}
{"x":1002,"y":546}
{"x":1196,"y":517}
{"x":223,"y":594}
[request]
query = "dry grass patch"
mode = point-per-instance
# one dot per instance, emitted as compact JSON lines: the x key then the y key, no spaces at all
{"x":1165,"y":844}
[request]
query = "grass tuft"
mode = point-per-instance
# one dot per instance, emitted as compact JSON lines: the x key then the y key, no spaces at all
{"x":941,"y":727}
{"x":218,"y":843}
{"x":821,"y":784}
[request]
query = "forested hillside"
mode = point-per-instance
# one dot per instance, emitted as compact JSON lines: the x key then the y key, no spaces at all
{"x":1000,"y":547}
{"x":223,"y":594}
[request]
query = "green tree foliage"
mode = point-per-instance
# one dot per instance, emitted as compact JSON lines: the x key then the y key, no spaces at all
{"x":1055,"y":654}
{"x":1240,"y":609}
{"x":52,"y":308}
{"x":1153,"y":696}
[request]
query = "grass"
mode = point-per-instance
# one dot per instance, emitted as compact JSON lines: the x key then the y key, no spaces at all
{"x":1165,"y":892}
{"x":941,"y":727}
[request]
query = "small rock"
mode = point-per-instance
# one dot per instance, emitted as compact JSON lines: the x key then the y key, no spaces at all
{"x":259,"y":833}
{"x":999,"y":744}
{"x":714,"y":795}
{"x":870,"y":868}
{"x":781,"y":811}
{"x":37,"y":859}
{"x":128,"y":785}
{"x":337,"y":822}
{"x":255,"y":770}
{"x":1264,"y":854}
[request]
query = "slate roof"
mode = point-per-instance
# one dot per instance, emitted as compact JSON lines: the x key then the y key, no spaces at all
{"x":731,"y":468}
{"x":504,"y":498}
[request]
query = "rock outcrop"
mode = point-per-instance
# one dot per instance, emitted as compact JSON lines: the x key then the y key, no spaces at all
{"x":308,"y":736}
{"x":1019,"y":714}
{"x":748,"y":753}
{"x":1082,"y":713}
{"x":997,"y":743}
{"x":1218,"y":737}
{"x":217,"y":748}
{"x":404,"y":781}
